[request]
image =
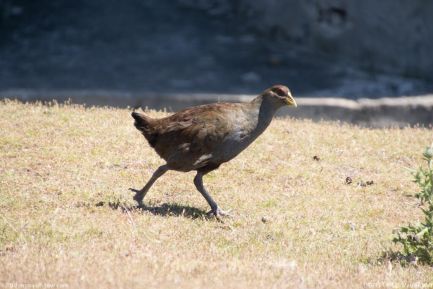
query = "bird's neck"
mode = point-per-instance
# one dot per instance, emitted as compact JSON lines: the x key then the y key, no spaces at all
{"x":265,"y":112}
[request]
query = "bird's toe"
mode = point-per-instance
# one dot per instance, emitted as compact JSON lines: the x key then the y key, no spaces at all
{"x":134,"y":190}
{"x":219,"y":214}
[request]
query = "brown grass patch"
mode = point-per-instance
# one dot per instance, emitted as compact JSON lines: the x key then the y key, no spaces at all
{"x":67,"y":217}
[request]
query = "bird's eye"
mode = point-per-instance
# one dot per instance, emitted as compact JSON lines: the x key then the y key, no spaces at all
{"x":279,"y":91}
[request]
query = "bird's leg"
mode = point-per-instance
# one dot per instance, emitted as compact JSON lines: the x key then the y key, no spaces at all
{"x":139,"y":196}
{"x":198,"y":182}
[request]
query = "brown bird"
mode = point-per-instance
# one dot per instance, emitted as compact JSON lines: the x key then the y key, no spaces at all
{"x":203,"y":137}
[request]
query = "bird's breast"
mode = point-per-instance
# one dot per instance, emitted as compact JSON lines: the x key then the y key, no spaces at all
{"x":242,"y":133}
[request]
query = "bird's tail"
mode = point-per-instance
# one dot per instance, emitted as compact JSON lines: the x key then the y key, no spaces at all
{"x":145,"y":124}
{"x":142,"y":122}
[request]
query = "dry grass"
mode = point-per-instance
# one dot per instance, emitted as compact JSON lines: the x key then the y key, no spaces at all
{"x":67,"y":220}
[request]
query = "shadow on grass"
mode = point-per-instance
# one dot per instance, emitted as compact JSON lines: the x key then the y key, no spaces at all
{"x":172,"y":209}
{"x":166,"y":209}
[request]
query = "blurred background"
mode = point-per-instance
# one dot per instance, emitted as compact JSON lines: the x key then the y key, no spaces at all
{"x":182,"y":52}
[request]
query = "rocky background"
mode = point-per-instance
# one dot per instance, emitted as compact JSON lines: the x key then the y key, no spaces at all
{"x":144,"y":48}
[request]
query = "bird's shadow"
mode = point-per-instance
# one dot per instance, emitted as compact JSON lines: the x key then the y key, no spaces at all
{"x":165,"y":209}
{"x":170,"y":209}
{"x":173,"y":209}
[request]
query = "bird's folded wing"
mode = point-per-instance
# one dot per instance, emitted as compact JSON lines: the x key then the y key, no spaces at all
{"x":195,"y":135}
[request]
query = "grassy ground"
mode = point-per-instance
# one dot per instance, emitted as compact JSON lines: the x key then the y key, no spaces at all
{"x":67,"y":218}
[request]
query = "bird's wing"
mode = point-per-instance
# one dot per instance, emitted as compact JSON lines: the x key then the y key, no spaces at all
{"x":194,"y":134}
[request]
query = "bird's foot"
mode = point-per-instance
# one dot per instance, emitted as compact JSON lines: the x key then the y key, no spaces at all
{"x":138,"y":196}
{"x":219,"y":214}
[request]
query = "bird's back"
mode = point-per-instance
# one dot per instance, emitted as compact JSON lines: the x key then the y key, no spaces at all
{"x":201,"y":136}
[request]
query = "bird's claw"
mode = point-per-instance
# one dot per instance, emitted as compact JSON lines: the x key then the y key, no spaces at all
{"x":138,"y":197}
{"x":218,"y":213}
{"x":134,"y":190}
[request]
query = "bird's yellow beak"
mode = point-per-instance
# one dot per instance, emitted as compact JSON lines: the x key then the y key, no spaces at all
{"x":290,"y":101}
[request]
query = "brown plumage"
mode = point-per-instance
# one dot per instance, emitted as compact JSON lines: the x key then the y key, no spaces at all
{"x":201,"y":138}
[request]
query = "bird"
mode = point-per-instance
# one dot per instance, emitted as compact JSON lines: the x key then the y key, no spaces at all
{"x":201,"y":138}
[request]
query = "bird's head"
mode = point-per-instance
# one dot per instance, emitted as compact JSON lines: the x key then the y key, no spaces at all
{"x":279,"y":95}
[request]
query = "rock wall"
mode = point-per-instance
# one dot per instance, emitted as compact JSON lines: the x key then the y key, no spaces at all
{"x":392,"y":36}
{"x":318,"y":48}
